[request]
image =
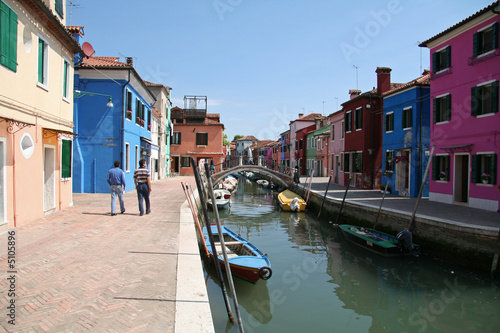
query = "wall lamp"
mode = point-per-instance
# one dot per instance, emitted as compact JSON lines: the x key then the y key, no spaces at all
{"x":79,"y":94}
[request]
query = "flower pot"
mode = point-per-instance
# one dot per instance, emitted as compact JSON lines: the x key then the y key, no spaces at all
{"x":486,"y":181}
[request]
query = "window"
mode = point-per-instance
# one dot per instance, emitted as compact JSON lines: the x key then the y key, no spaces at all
{"x":8,"y":37}
{"x":301,"y":144}
{"x":389,"y":160}
{"x":59,"y":7}
{"x":346,"y":162}
{"x":332,"y":133}
{"x":484,"y":168}
{"x":136,"y":156}
{"x":27,"y":145}
{"x":441,"y":109}
{"x":484,"y":99}
{"x":441,"y":59}
{"x":389,"y":122}
{"x":43,"y":61}
{"x":128,"y":105}
{"x":149,"y":119}
{"x":358,"y":119}
{"x":127,"y":157}
{"x":66,"y":159}
{"x":342,"y":162}
{"x":65,"y":78}
{"x":441,"y":167}
{"x":176,"y":139}
{"x":342,"y":130}
{"x":139,"y":112}
{"x":357,"y":160}
{"x":407,"y":118}
{"x":485,"y":40}
{"x":201,"y":139}
{"x":185,"y":162}
{"x":348,"y":119}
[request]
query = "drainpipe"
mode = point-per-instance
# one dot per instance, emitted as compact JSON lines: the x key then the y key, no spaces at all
{"x":420,"y":136}
{"x":122,"y":143}
{"x":373,"y":150}
{"x":14,"y":178}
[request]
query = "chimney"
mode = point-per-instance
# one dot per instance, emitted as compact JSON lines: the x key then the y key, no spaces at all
{"x":130,"y":61}
{"x":301,"y":115}
{"x":354,"y":93}
{"x":383,"y":79}
{"x":317,"y":122}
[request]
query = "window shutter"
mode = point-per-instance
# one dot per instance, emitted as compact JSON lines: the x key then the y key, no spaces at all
{"x":475,"y":102}
{"x":435,"y":110}
{"x":435,"y":62}
{"x":475,"y":44}
{"x":494,"y":96}
{"x":495,"y":35}
{"x":12,"y":53}
{"x":448,"y":56}
{"x":40,"y":60}
{"x":4,"y":33}
{"x":447,"y":166}
{"x":434,"y":168}
{"x":403,"y":122}
{"x":493,"y":169}
{"x":473,"y":173}
{"x":59,"y":7}
{"x":66,"y":159}
{"x":448,"y":107}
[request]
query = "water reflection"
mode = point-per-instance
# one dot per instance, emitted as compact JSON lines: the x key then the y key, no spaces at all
{"x":322,"y":283}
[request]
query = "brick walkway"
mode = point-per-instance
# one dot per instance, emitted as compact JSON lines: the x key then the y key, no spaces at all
{"x":83,"y":270}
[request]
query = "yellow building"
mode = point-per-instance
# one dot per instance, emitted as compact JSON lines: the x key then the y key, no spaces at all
{"x":36,"y":110}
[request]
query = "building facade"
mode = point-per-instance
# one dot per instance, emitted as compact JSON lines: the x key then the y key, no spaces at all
{"x":337,"y":146}
{"x":465,"y":119}
{"x":296,"y":125}
{"x":36,"y":110}
{"x":406,"y":137}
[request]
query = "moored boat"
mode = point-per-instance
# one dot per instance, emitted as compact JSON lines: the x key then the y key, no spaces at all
{"x":245,"y":260}
{"x":220,"y":203}
{"x":222,"y":194}
{"x":380,"y":242}
{"x":290,"y":201}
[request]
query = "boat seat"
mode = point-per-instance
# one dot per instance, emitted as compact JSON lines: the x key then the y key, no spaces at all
{"x":230,"y":243}
{"x":230,"y":254}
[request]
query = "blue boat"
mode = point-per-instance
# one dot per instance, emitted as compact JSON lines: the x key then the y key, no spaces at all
{"x":245,"y":260}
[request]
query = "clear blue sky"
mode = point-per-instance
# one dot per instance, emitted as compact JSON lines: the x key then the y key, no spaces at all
{"x":262,"y":62}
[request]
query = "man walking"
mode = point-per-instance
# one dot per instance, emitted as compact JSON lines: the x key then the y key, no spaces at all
{"x":142,"y":181}
{"x":116,"y":179}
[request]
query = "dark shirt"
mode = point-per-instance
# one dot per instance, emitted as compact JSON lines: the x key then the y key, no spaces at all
{"x":141,"y":175}
{"x":116,"y":176}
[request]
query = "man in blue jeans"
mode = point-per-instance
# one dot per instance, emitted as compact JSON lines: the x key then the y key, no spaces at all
{"x":116,"y":179}
{"x":142,"y":181}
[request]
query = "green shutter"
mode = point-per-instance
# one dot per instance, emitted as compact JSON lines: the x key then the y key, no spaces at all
{"x":66,"y":159}
{"x":65,"y":79}
{"x":448,"y":107}
{"x":494,"y":96}
{"x":40,"y":60}
{"x":435,"y":167}
{"x":435,"y":110}
{"x":474,"y":169}
{"x":493,"y":169}
{"x":475,"y":44}
{"x":495,"y":35}
{"x":59,"y":7}
{"x":475,"y":102}
{"x":12,"y":61}
{"x":448,"y":57}
{"x":8,"y":37}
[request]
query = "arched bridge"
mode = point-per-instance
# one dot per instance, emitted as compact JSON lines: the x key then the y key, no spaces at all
{"x":279,"y":178}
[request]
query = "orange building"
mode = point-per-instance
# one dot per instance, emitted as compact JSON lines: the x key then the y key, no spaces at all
{"x":196,"y":134}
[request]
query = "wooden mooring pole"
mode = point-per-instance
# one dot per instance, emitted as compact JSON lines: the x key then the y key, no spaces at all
{"x":343,"y":200}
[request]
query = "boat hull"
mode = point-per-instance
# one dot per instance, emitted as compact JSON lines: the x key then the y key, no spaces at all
{"x":375,"y":241}
{"x":246,"y":261}
{"x":286,"y":197}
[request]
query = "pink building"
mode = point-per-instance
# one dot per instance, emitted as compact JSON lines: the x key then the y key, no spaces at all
{"x":465,"y":126}
{"x":337,"y":146}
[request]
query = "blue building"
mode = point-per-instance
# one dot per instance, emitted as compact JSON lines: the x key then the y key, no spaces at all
{"x":113,"y":120}
{"x":406,"y":137}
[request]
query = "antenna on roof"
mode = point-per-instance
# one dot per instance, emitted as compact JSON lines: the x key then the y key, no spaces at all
{"x":356,"y":75}
{"x":418,"y":43}
{"x":71,"y":5}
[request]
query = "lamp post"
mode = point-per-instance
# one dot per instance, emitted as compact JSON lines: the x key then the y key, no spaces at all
{"x":79,"y":94}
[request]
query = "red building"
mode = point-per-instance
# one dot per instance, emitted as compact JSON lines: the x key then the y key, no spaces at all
{"x":362,"y":160}
{"x":300,"y":152}
{"x":196,"y":134}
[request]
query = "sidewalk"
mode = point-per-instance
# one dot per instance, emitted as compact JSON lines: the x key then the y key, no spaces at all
{"x":83,"y":270}
{"x":454,"y":214}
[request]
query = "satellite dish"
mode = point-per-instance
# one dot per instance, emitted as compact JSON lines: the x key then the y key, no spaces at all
{"x":88,"y":50}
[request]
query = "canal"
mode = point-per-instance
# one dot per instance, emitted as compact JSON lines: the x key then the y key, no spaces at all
{"x":320,"y":283}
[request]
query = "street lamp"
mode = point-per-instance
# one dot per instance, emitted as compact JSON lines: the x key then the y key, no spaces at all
{"x":79,"y":94}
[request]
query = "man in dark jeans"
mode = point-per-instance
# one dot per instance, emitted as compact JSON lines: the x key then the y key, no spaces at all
{"x":142,"y":181}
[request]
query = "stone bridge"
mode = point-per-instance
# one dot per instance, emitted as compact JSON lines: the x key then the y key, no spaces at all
{"x":278,"y":178}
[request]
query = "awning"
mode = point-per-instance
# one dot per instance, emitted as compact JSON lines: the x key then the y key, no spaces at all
{"x":458,"y":148}
{"x":149,"y":142}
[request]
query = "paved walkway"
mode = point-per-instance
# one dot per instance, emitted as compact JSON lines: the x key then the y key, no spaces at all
{"x":83,"y":270}
{"x":448,"y":213}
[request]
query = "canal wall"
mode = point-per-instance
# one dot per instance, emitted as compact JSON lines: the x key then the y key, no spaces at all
{"x":460,"y":243}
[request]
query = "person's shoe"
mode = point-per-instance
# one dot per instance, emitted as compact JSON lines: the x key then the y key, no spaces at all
{"x":141,"y":214}
{"x":123,"y":211}
{"x":113,"y":214}
{"x":148,"y":212}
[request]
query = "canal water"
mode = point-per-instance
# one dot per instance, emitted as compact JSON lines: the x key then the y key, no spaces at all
{"x":321,"y":283}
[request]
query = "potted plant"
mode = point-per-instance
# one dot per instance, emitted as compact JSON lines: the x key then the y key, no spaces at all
{"x":386,"y":189}
{"x":485,"y":178}
{"x":442,"y":175}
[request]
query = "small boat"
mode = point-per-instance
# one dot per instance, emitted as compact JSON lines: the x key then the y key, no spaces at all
{"x":381,"y":243}
{"x":222,"y":194}
{"x":290,"y":201}
{"x":262,"y":182}
{"x":220,"y":203}
{"x":245,"y":260}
